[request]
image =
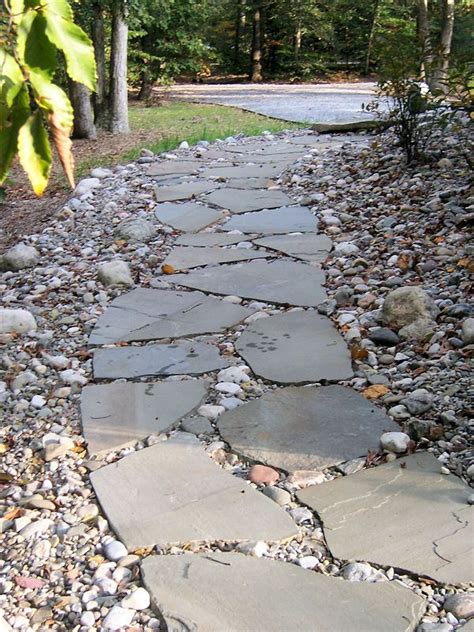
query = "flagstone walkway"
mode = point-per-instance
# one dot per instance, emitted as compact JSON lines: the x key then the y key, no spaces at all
{"x":230,"y":212}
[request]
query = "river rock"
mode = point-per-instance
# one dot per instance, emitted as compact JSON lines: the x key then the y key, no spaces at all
{"x":468,"y":331}
{"x":19,"y":257}
{"x":19,"y":321}
{"x":397,"y":442}
{"x":460,"y":605}
{"x":115,"y":272}
{"x":135,"y":229}
{"x":405,"y":305}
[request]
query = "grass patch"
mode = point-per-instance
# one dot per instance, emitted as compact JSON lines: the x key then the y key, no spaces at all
{"x":163,"y":128}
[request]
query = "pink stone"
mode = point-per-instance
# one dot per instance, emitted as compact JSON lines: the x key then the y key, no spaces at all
{"x":263,"y":475}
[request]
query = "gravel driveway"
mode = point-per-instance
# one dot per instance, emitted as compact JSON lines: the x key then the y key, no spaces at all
{"x":307,"y":103}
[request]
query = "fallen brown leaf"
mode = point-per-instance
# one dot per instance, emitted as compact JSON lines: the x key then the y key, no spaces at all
{"x":375,"y":391}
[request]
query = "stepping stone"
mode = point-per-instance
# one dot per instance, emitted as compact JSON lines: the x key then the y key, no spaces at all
{"x":169,"y":167}
{"x":280,"y":282}
{"x":234,"y":592}
{"x":184,"y":358}
{"x":295,"y":348}
{"x":241,"y":201}
{"x":173,"y":492}
{"x":305,"y":428}
{"x":246,"y":171}
{"x":288,"y":219}
{"x":183,"y":258}
{"x":204,"y":240}
{"x":264,"y":148}
{"x":188,"y":217}
{"x":183,"y":191}
{"x":145,"y":314}
{"x":250,"y":183}
{"x":116,"y":415}
{"x":307,"y":247}
{"x":404,"y":514}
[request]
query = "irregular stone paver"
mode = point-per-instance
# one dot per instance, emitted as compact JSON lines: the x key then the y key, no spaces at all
{"x":146,"y":314}
{"x":183,"y":191}
{"x":288,"y":219}
{"x":305,"y":428}
{"x":307,"y":247}
{"x":183,"y":358}
{"x":184,"y":257}
{"x":250,"y":183}
{"x":295,"y":348}
{"x":241,"y":201}
{"x":117,"y":415}
{"x":404,"y":514}
{"x":188,"y":217}
{"x":246,"y":171}
{"x":204,"y":240}
{"x":281,"y":282}
{"x":169,"y":167}
{"x":173,"y":492}
{"x":233,"y":592}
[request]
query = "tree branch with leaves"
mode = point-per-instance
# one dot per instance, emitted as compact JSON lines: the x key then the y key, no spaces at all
{"x":33,"y":108}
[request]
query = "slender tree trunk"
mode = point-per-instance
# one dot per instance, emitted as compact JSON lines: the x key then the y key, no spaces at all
{"x":83,"y":114}
{"x":118,"y":71}
{"x":424,"y":39}
{"x":297,"y":43}
{"x":239,"y":29}
{"x":146,"y":85}
{"x":257,"y":45}
{"x":370,"y":43}
{"x":441,"y":74}
{"x":98,"y":38}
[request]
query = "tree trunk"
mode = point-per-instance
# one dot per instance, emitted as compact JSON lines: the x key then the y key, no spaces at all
{"x":370,"y":43}
{"x":146,"y":85}
{"x":424,"y":39}
{"x":98,"y":38}
{"x":257,"y":45}
{"x":83,"y":115}
{"x":118,"y":71}
{"x":441,"y":74}
{"x":297,"y":43}
{"x":239,"y":29}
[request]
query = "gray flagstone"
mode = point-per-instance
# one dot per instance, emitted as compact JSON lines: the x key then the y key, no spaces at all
{"x":188,"y":217}
{"x":288,"y":219}
{"x":183,"y":257}
{"x":241,"y":201}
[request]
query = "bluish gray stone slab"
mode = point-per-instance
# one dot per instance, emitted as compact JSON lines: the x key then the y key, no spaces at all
{"x":307,"y":247}
{"x":188,"y":217}
{"x":146,"y":314}
{"x":241,"y":201}
{"x":217,"y":591}
{"x":184,"y":257}
{"x":404,"y":514}
{"x":169,"y":167}
{"x":246,"y":171}
{"x":204,"y":240}
{"x":181,"y":358}
{"x":295,"y":348}
{"x":250,"y":183}
{"x":288,"y":219}
{"x":173,"y":492}
{"x":183,"y":191}
{"x":305,"y":428}
{"x":116,"y":415}
{"x":281,"y":282}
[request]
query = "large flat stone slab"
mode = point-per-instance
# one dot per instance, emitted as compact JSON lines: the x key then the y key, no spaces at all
{"x":204,"y":240}
{"x":236,"y":593}
{"x":307,"y":247}
{"x":173,"y":492}
{"x":188,"y":217}
{"x":184,"y":257}
{"x":116,"y":415}
{"x":172,"y":167}
{"x":183,"y":191}
{"x":183,"y":358}
{"x":263,"y":148}
{"x":404,"y":514}
{"x":241,"y":201}
{"x":305,"y":428}
{"x":287,"y":219}
{"x":146,"y":314}
{"x":295,"y":348}
{"x":280,"y":282}
{"x":250,"y":183}
{"x":246,"y":171}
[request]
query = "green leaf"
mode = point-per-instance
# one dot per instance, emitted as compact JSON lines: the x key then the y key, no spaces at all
{"x":72,"y":41}
{"x":33,"y":47}
{"x":18,"y":115}
{"x":52,"y":100}
{"x":35,"y":152}
{"x":11,"y":78}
